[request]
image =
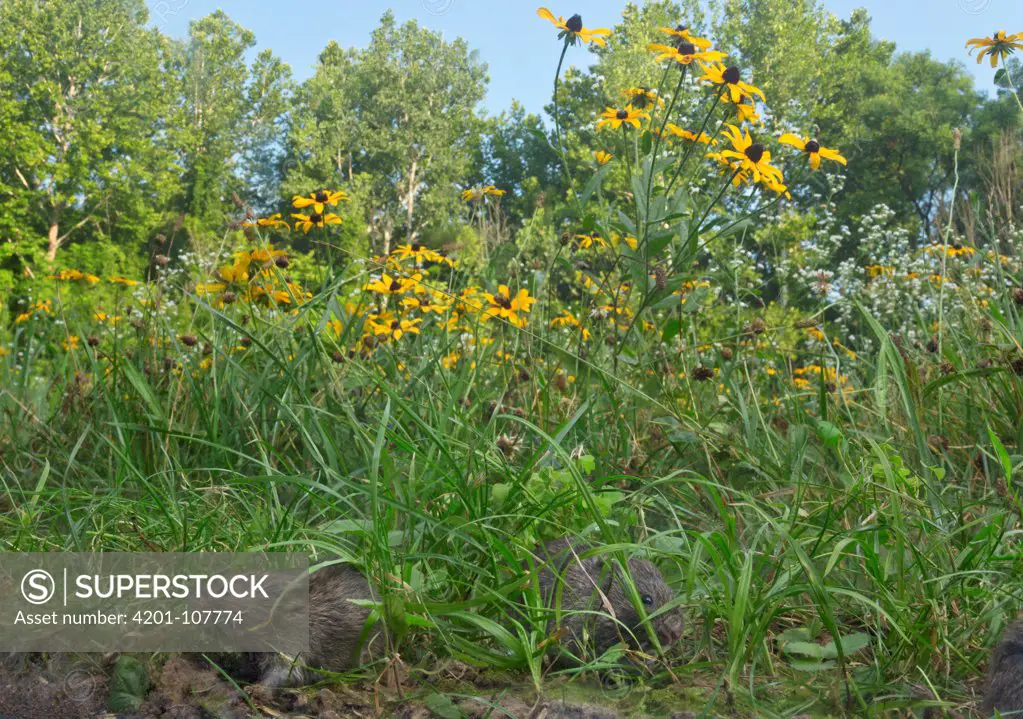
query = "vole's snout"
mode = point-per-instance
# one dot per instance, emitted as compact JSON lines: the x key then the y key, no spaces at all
{"x":669,"y":630}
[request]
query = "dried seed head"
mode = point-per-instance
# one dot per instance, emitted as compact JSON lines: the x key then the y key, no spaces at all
{"x":338,"y":357}
{"x":660,"y":278}
{"x":727,"y":354}
{"x":1017,"y":366}
{"x":160,"y":239}
{"x":229,"y":298}
{"x":282,"y":261}
{"x":188,"y":340}
{"x":92,"y":341}
{"x":509,"y":444}
{"x":756,"y":327}
{"x":246,"y":341}
{"x":162,"y":260}
{"x":703,"y":374}
{"x":1017,"y":296}
{"x":932,"y":345}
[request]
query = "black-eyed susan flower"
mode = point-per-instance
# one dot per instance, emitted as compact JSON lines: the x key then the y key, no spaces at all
{"x":75,"y":276}
{"x":676,"y":131}
{"x":308,"y":222}
{"x":122,"y":281}
{"x":685,"y":52}
{"x":507,"y":306}
{"x":398,"y":328}
{"x":572,"y":29}
{"x":426,"y":303}
{"x":746,"y":111}
{"x":739,"y":175}
{"x":591,"y":240}
{"x":415,"y":251}
{"x":388,"y":285}
{"x":474,"y":194}
{"x":602,"y":157}
{"x":631,"y":242}
{"x":614,"y":118}
{"x":812,"y":148}
{"x":273,"y":222}
{"x":642,"y":97}
{"x":750,"y":156}
{"x":998,"y":47}
{"x":729,"y":79}
{"x":319,"y":200}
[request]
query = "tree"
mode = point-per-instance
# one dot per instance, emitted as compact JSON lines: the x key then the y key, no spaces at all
{"x":403,"y":115}
{"x":83,"y":97}
{"x":228,"y":114}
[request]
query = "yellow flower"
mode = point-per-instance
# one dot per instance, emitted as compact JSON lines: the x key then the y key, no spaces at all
{"x":415,"y":251}
{"x":273,"y":221}
{"x":450,"y":361}
{"x":629,"y":240}
{"x":424,"y":305}
{"x":474,"y":194}
{"x":813,"y":148}
{"x":75,"y":275}
{"x":397,"y":328}
{"x":998,"y":47}
{"x":588,"y":241}
{"x":318,"y":200}
{"x":71,"y":343}
{"x":685,"y":52}
{"x":388,"y":285}
{"x":746,"y":111}
{"x":572,"y":29}
{"x":236,"y":273}
{"x":751,"y":156}
{"x":728,"y":78}
{"x":506,"y":306}
{"x":615,"y":118}
{"x":642,"y":97}
{"x":739,"y":176}
{"x":602,"y":157}
{"x":104,"y":317}
{"x":4,"y":351}
{"x":681,"y":32}
{"x":673,"y":129}
{"x":306,"y":223}
{"x":122,"y":281}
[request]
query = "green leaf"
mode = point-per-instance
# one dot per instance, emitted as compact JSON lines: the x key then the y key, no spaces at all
{"x":443,"y":706}
{"x":129,"y":684}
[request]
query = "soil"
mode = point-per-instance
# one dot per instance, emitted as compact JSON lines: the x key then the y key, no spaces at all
{"x":185,"y":687}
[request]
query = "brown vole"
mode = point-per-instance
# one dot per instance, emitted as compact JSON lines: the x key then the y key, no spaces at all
{"x":1005,"y":674}
{"x":582,"y":588}
{"x":335,"y":627}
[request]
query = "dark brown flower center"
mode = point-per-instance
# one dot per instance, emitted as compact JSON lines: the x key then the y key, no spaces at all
{"x":416,"y":247}
{"x":755,"y":152}
{"x":686,"y":48}
{"x":316,"y":218}
{"x":502,"y":301}
{"x":394,"y":286}
{"x":622,"y":115}
{"x":813,"y":146}
{"x":680,"y":28}
{"x":395,"y":325}
{"x":731,"y":75}
{"x":574,"y":23}
{"x":322,"y":196}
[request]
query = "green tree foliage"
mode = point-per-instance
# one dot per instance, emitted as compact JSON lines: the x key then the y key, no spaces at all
{"x":403,"y":114}
{"x":83,"y":106}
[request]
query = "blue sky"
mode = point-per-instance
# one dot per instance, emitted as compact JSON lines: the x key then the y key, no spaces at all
{"x":521,"y":49}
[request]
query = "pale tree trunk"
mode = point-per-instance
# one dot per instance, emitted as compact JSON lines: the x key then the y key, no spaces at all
{"x":410,"y":199}
{"x":53,"y":241}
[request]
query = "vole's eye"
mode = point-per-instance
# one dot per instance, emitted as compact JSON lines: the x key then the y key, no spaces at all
{"x":648,"y":600}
